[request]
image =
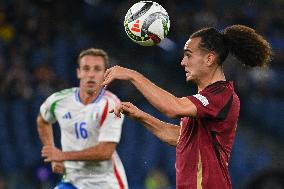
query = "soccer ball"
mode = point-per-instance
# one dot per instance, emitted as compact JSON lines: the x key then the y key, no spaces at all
{"x":147,"y":23}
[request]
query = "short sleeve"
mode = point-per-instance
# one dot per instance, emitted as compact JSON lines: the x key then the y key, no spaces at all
{"x":213,"y":105}
{"x":111,"y":125}
{"x":47,"y":109}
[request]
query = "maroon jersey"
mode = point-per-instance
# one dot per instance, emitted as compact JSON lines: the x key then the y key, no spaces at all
{"x":205,"y":142}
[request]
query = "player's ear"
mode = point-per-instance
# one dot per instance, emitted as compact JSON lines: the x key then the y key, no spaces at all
{"x":210,"y":58}
{"x":78,"y":73}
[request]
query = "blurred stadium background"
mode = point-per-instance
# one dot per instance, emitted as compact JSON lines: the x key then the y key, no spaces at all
{"x":39,"y":42}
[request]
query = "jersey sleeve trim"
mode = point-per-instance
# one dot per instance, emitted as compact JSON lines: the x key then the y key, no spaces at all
{"x":52,"y":108}
{"x":224,"y":111}
{"x":104,"y":115}
{"x":197,"y":103}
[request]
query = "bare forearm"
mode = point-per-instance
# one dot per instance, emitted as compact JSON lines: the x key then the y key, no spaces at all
{"x":164,"y":101}
{"x":45,"y":132}
{"x":99,"y":152}
{"x":166,"y":132}
{"x":85,"y":155}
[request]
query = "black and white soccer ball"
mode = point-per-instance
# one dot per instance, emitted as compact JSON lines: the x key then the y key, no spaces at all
{"x":147,"y":23}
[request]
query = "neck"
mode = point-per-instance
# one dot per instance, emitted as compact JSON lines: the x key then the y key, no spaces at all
{"x":89,"y":97}
{"x":214,"y":76}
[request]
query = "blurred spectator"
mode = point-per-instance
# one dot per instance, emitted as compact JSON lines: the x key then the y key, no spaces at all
{"x":156,"y":179}
{"x":45,"y":80}
{"x":17,"y":83}
{"x":3,"y":184}
{"x":6,"y":30}
{"x":268,"y":179}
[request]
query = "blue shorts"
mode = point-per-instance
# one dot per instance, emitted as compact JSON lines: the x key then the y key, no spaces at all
{"x":65,"y":185}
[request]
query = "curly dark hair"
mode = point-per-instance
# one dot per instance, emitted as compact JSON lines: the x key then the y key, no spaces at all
{"x":241,"y":41}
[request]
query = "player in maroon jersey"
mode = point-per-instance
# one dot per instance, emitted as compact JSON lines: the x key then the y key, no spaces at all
{"x":209,"y":118}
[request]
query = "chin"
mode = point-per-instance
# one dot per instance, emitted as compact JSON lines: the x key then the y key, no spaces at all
{"x":91,"y":91}
{"x":189,"y":79}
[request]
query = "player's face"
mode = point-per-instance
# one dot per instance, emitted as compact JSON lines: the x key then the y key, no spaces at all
{"x":193,"y":60}
{"x":91,"y":73}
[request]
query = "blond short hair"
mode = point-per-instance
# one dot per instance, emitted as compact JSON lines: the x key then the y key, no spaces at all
{"x":94,"y":52}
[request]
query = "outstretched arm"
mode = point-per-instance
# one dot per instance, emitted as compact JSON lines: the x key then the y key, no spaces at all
{"x":164,"y":101}
{"x":100,"y":152}
{"x":166,"y":132}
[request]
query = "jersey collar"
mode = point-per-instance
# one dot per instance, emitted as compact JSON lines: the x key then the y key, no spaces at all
{"x":101,"y":94}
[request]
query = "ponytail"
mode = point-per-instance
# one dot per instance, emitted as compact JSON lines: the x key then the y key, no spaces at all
{"x":241,"y":41}
{"x":247,"y":46}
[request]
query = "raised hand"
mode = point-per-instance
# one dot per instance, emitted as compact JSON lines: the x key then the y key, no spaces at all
{"x":117,"y":72}
{"x":128,"y":109}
